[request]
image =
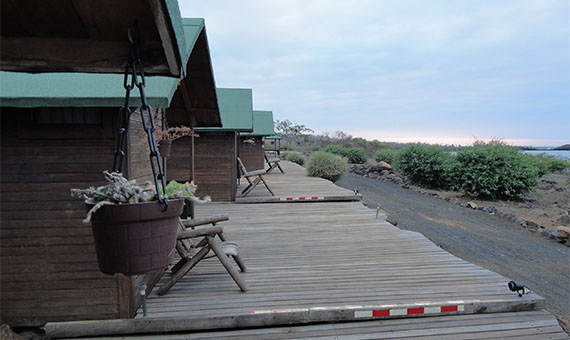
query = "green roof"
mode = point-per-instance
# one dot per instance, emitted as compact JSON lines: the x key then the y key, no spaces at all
{"x":236,"y":110}
{"x":262,"y":124}
{"x":79,"y":89}
{"x":96,"y":89}
{"x":273,"y":137}
{"x":192,"y":28}
{"x":179,"y":32}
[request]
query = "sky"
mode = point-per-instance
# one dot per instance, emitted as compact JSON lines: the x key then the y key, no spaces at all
{"x":448,"y":72}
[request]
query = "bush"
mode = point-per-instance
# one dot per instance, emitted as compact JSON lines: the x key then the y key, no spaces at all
{"x":336,"y":149}
{"x":327,"y":166}
{"x":294,"y":157}
{"x":427,"y":165}
{"x":389,"y":156}
{"x":496,"y":170}
{"x":356,"y":155}
{"x":550,"y":164}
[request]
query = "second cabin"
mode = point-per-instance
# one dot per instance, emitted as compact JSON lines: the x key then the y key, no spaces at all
{"x":210,"y":159}
{"x":251,"y":145}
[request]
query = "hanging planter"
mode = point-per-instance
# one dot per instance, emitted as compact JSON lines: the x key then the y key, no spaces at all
{"x":164,"y":147}
{"x":164,"y":138}
{"x":134,"y":232}
{"x":135,"y":238}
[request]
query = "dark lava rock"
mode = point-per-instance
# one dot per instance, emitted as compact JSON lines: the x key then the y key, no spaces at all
{"x":564,"y":220}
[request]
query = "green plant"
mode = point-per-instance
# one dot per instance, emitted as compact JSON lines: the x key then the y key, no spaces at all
{"x":495,"y":170}
{"x":294,"y":157}
{"x":427,"y":165}
{"x":550,"y":164}
{"x":389,"y":156}
{"x":356,"y":155}
{"x":122,"y":191}
{"x":336,"y":149}
{"x":327,"y":166}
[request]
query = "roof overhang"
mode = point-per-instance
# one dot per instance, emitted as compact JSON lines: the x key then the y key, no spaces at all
{"x":195,"y":102}
{"x":18,"y":89}
{"x":262,"y":124}
{"x":90,"y":35}
{"x":236,"y":110}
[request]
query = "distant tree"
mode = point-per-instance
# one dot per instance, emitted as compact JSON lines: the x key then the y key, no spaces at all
{"x":291,"y":131}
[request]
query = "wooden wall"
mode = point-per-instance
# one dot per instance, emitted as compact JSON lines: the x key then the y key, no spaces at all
{"x":47,"y":256}
{"x":251,"y":154}
{"x":215,"y":164}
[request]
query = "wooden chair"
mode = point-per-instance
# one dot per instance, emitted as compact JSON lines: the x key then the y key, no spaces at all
{"x":257,"y":174}
{"x":192,"y":252}
{"x":272,"y":162}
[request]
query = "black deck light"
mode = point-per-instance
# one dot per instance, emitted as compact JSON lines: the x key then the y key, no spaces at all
{"x":517,"y":287}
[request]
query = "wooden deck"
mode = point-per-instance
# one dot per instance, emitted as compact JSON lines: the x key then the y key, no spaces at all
{"x":331,"y":262}
{"x":294,"y":186}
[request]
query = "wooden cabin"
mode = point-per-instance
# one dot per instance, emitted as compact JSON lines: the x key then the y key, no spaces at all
{"x":58,"y":131}
{"x":210,"y":160}
{"x":251,"y":146}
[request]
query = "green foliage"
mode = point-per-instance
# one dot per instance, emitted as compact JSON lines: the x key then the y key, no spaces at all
{"x":294,"y":157}
{"x":550,"y":164}
{"x":495,"y":170}
{"x":336,"y":149}
{"x":389,"y":156}
{"x":180,"y":190}
{"x":427,"y":165}
{"x":327,"y":165}
{"x":356,"y":156}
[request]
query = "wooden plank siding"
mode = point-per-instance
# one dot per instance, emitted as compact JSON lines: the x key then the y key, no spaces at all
{"x":47,"y":256}
{"x":215,"y":170}
{"x":251,"y":154}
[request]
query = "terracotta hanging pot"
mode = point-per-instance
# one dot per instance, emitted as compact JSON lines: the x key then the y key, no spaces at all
{"x":164,"y":147}
{"x":135,"y":238}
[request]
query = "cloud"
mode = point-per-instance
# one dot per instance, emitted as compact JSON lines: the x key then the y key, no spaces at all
{"x":420,"y":68}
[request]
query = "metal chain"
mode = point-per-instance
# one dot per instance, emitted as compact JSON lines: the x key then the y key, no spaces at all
{"x":134,"y":68}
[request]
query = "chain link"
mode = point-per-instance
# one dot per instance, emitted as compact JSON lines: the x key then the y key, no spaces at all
{"x":134,"y":69}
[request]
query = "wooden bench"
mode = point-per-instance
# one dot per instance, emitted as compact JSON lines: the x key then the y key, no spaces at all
{"x":257,"y":174}
{"x":192,"y":252}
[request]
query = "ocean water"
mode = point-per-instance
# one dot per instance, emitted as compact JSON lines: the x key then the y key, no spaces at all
{"x":562,"y":154}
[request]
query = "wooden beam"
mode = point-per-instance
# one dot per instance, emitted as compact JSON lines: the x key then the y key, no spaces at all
{"x":169,"y":45}
{"x":185,"y":95}
{"x":70,"y":55}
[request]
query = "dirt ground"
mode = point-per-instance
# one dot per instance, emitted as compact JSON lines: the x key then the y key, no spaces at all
{"x":548,"y":205}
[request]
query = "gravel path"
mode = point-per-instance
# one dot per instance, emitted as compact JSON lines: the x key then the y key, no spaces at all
{"x":486,"y":240}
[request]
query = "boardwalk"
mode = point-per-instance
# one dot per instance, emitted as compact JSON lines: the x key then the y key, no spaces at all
{"x":293,"y":186}
{"x":330,"y":261}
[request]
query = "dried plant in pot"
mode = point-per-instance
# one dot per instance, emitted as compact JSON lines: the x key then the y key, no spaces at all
{"x":133,"y":232}
{"x":165,"y":137}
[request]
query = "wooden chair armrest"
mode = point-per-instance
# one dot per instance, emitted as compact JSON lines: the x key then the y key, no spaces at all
{"x":207,"y":220}
{"x":255,"y":173}
{"x":206,"y":231}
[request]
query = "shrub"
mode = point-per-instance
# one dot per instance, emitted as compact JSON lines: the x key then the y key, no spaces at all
{"x":495,"y":170}
{"x":427,"y":165}
{"x":356,"y":155}
{"x":550,"y":164}
{"x":327,"y":166}
{"x":294,"y":157}
{"x":336,"y":149}
{"x":389,"y":156}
